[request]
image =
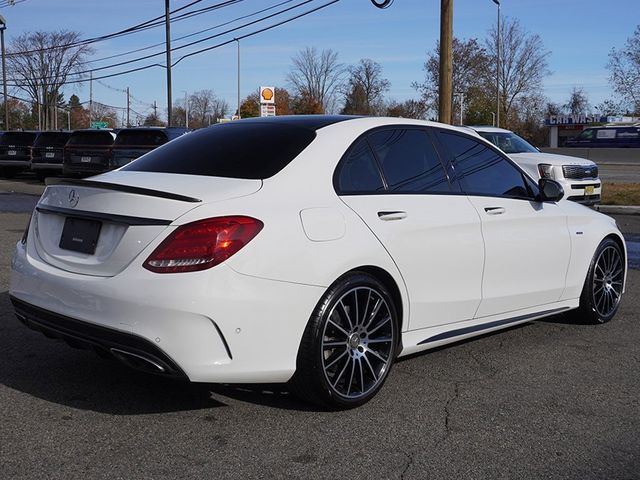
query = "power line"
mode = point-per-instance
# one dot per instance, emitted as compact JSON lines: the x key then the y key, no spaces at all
{"x":231,"y":30}
{"x":154,"y":22}
{"x":123,"y":54}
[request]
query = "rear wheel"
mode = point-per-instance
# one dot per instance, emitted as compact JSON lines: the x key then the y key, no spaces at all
{"x":602,"y":289}
{"x":349,"y":345}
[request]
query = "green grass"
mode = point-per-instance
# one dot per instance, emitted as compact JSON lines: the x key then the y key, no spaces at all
{"x":621,"y":193}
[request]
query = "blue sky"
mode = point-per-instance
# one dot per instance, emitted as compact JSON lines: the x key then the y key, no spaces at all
{"x":578,"y":33}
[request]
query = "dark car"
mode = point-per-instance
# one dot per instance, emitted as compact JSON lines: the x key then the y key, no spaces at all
{"x":15,"y":152}
{"x":132,"y":143}
{"x":88,"y":152}
{"x":607,"y":137}
{"x":48,"y":153}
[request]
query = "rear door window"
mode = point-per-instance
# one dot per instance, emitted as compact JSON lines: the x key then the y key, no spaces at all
{"x":409,"y":161}
{"x":359,"y":172}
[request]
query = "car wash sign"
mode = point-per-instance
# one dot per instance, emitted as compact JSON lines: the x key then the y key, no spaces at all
{"x":267,"y":101}
{"x":574,"y":119}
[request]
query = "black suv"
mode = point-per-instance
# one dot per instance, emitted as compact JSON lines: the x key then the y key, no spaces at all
{"x":15,"y":152}
{"x":48,"y":153}
{"x":88,"y":152}
{"x":132,"y":143}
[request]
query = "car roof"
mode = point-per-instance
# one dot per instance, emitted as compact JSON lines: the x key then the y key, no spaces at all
{"x":488,"y":129}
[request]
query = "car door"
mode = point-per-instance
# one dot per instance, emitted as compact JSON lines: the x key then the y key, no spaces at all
{"x":394,"y":180}
{"x":527,"y":242}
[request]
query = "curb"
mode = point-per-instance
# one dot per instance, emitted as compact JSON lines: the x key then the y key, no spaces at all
{"x":619,"y":209}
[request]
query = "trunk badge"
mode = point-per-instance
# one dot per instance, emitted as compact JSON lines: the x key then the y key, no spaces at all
{"x":73,"y":198}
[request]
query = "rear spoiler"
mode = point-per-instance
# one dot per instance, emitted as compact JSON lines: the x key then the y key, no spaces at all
{"x":121,"y":188}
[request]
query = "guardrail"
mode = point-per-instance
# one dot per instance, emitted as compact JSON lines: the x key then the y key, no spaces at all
{"x":624,"y":156}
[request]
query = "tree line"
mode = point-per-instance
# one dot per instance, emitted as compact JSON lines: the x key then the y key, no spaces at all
{"x":41,"y":65}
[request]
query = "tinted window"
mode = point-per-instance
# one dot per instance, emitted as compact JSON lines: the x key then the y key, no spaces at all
{"x":52,"y":139}
{"x":141,"y":137}
{"x":18,"y":138}
{"x":409,"y":161}
{"x":239,"y":149}
{"x":482,"y":171}
{"x":358,"y":172}
{"x":91,"y":138}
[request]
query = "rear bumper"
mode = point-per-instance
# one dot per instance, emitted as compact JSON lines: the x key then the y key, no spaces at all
{"x":211,"y":326}
{"x":46,"y":166}
{"x":15,"y":163}
{"x":130,"y":349}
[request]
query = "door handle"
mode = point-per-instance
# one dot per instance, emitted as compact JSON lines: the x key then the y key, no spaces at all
{"x":495,"y":210}
{"x":394,"y":215}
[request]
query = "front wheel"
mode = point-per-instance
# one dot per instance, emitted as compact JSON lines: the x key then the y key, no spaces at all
{"x":349,"y":345}
{"x":602,"y":289}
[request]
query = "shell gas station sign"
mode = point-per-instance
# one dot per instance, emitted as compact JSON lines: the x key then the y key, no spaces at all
{"x":267,"y":102}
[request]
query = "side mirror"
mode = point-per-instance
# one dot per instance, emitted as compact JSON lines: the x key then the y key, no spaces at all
{"x":550,"y":190}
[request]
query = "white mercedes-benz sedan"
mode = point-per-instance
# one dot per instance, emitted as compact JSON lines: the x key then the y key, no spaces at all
{"x":313,"y":250}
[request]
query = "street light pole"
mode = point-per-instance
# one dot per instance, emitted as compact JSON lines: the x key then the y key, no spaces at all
{"x":167,"y":28}
{"x":497,"y":2}
{"x":3,"y":27}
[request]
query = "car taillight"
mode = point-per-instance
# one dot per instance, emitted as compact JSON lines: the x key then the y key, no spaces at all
{"x":545,"y":170}
{"x":202,"y":244}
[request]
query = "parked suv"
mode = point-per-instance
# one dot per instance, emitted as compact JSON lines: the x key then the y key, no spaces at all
{"x":578,"y":176}
{"x":88,"y":152}
{"x":48,"y":153}
{"x":607,"y":137}
{"x":15,"y":152}
{"x":132,"y":143}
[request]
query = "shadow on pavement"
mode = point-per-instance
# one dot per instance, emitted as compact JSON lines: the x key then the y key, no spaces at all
{"x":53,"y":371}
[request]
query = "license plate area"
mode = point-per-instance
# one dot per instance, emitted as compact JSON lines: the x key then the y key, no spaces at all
{"x":589,"y":189}
{"x":49,"y":154}
{"x":85,"y":159}
{"x":80,"y":235}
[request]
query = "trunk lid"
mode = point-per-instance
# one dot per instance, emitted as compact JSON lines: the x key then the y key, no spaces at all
{"x":108,"y":220}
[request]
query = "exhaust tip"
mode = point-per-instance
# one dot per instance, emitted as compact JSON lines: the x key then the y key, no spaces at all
{"x":137,"y":361}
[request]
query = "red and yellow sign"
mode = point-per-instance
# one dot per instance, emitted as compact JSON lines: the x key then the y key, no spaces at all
{"x":267,"y":95}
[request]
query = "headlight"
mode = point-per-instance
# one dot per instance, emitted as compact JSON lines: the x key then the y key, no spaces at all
{"x":545,"y":170}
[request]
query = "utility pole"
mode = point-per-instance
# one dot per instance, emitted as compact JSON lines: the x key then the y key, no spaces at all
{"x":39,"y":107}
{"x":90,"y":97}
{"x":128,"y":108}
{"x":167,"y":27}
{"x":3,"y":27}
{"x":238,"y":78}
{"x":446,"y":61}
{"x":497,"y":2}
{"x":155,"y":109}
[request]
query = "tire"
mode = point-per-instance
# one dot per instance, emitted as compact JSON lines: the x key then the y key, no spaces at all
{"x":602,"y":290}
{"x":349,"y":345}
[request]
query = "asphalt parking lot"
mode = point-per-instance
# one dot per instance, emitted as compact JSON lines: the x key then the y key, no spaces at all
{"x":550,"y":399}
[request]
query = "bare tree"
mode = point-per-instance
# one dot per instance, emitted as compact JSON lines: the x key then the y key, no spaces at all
{"x":624,"y":65}
{"x":205,"y":108}
{"x":523,"y":65}
{"x":104,"y":113}
{"x":470,"y":75}
{"x":578,"y":102}
{"x":407,"y":109}
{"x":315,"y":77}
{"x":363,"y":93}
{"x":41,"y":62}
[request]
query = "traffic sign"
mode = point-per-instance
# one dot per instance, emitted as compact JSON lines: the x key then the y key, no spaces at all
{"x":99,"y":125}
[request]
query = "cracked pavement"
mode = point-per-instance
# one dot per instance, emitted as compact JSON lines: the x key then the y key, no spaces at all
{"x":548,"y":399}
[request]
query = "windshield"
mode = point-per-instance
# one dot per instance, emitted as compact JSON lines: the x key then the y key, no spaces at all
{"x":18,"y":138}
{"x":91,"y":138}
{"x":141,"y":138}
{"x":509,"y":142}
{"x":52,"y":139}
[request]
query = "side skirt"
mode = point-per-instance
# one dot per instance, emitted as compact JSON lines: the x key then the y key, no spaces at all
{"x":427,"y":338}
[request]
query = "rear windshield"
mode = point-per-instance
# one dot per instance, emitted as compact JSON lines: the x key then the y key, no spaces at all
{"x":141,"y":137}
{"x":18,"y":138}
{"x":52,"y":139}
{"x":91,"y":138}
{"x":249,"y":150}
